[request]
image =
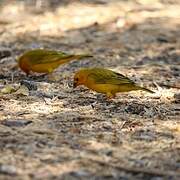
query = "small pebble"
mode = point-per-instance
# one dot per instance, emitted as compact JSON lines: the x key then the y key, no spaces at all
{"x":177,"y":97}
{"x":8,"y":169}
{"x":16,"y":123}
{"x":29,"y":84}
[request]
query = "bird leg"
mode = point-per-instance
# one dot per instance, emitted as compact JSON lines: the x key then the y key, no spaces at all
{"x":110,"y":95}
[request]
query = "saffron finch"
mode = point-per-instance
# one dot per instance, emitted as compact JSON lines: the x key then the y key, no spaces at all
{"x":45,"y":61}
{"x":105,"y":81}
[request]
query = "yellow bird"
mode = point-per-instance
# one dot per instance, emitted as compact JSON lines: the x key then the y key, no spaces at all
{"x":105,"y":81}
{"x":45,"y":61}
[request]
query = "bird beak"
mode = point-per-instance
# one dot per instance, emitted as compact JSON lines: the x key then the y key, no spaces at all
{"x":74,"y":84}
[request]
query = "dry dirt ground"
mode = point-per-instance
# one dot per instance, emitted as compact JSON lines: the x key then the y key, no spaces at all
{"x":48,"y":130}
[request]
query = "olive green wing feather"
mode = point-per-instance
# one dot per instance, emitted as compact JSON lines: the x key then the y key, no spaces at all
{"x":103,"y":76}
{"x":45,"y":56}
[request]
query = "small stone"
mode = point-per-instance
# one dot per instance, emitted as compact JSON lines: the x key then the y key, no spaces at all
{"x":177,"y":97}
{"x":162,"y":39}
{"x":8,"y":169}
{"x":2,"y":76}
{"x":80,"y":173}
{"x":22,"y":91}
{"x":16,"y":123}
{"x":29,"y":84}
{"x":5,"y":53}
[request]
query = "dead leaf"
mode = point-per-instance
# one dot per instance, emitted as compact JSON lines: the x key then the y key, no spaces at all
{"x":23,"y":90}
{"x":8,"y":89}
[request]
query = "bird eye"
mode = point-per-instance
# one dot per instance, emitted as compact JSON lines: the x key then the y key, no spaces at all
{"x":76,"y":79}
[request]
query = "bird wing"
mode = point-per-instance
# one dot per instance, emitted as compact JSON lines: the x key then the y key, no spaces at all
{"x":109,"y":77}
{"x":46,"y":56}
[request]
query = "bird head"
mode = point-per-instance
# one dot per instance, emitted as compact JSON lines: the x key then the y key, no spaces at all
{"x":80,"y":78}
{"x":23,"y":64}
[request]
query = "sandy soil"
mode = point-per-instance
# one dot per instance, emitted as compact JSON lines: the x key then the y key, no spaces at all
{"x":48,"y":130}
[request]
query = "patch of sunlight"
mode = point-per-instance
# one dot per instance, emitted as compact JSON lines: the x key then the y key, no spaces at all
{"x":57,"y":169}
{"x":79,"y":15}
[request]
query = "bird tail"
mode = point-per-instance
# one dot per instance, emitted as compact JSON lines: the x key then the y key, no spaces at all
{"x":144,"y":89}
{"x":80,"y":56}
{"x":73,"y":57}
